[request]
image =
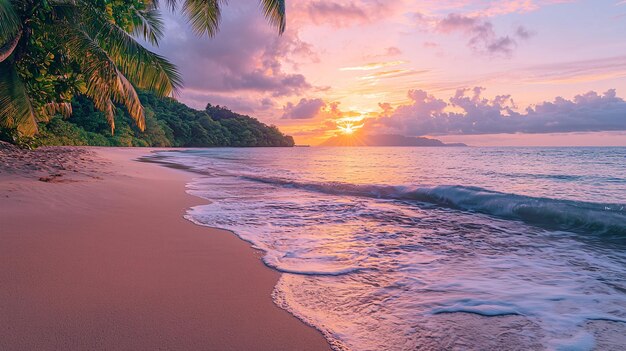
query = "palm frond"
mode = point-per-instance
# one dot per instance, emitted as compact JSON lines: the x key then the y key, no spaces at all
{"x":54,"y":108}
{"x":10,"y":29}
{"x":144,"y":68}
{"x":112,"y":62}
{"x":103,"y":79}
{"x":7,"y":49}
{"x":148,"y":24}
{"x":9,"y":22}
{"x":16,"y":110}
{"x":274,"y":11}
{"x":170,"y":3}
{"x":109,"y":113}
{"x":203,"y":15}
{"x":126,"y":94}
{"x":148,"y":71}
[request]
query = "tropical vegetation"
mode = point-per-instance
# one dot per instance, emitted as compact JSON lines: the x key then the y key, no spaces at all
{"x":55,"y":51}
{"x":167,"y":123}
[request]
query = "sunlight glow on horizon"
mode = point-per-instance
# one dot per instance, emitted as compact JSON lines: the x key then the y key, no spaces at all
{"x":360,"y":63}
{"x":348,"y":128}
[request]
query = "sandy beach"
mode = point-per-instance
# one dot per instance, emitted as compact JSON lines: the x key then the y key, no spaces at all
{"x":96,"y":255}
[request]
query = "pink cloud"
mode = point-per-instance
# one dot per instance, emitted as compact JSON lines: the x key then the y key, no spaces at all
{"x":482,"y":35}
{"x":393,"y":51}
{"x":304,"y":109}
{"x":245,"y":56}
{"x":428,"y":115}
{"x":342,"y":13}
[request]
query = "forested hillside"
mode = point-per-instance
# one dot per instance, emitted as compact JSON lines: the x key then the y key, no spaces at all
{"x":168,"y":123}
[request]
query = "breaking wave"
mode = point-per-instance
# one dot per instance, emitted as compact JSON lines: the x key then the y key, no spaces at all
{"x":577,"y":216}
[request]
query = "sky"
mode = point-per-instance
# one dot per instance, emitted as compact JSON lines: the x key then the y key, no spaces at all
{"x":508,"y":72}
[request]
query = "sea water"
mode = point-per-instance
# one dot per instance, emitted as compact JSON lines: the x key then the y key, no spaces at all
{"x":432,"y":248}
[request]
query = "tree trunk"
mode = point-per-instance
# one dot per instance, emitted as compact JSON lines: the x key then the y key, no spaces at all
{"x":7,"y":49}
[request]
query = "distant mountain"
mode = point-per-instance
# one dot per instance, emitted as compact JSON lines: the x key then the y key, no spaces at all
{"x":383,"y":140}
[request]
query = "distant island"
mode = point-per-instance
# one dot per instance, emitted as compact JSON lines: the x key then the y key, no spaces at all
{"x":384,"y":140}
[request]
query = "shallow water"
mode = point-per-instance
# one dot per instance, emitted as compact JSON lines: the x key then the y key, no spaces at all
{"x":432,"y":248}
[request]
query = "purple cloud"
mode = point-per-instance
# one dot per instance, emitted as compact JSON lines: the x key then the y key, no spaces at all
{"x":304,"y":109}
{"x":523,"y":33}
{"x":482,"y":36}
{"x":246,"y":56}
{"x":428,"y":115}
{"x":321,"y":11}
{"x":342,"y":13}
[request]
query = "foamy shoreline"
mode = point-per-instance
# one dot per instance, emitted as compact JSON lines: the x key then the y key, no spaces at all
{"x":96,"y":255}
{"x":316,"y":238}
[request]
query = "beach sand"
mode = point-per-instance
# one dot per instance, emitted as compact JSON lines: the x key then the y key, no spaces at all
{"x":95,"y":255}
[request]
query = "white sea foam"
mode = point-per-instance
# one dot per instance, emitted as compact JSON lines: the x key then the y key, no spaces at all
{"x":403,"y":267}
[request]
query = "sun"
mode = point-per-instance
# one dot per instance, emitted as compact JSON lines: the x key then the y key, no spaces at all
{"x":347,"y":129}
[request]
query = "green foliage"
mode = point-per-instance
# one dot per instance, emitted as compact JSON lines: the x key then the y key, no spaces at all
{"x":168,"y":123}
{"x":52,"y":51}
{"x":60,"y":132}
{"x":11,"y":135}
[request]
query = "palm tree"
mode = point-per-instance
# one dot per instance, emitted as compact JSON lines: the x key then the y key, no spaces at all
{"x":51,"y":50}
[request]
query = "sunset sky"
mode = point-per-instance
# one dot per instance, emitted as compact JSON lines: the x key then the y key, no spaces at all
{"x":515,"y":72}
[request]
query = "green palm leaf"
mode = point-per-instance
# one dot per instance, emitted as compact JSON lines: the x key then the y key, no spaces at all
{"x":274,"y":11}
{"x":125,"y":93}
{"x":16,"y":110}
{"x":144,"y":68}
{"x":148,"y":24}
{"x":107,"y":57}
{"x":204,"y":15}
{"x":10,"y":29}
{"x":104,"y":81}
{"x":9,"y":22}
{"x":54,"y":108}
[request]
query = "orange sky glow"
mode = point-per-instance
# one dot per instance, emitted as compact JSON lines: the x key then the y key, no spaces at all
{"x":513,"y":72}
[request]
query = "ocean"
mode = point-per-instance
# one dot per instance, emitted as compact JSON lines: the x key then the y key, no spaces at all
{"x":385,"y":248}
